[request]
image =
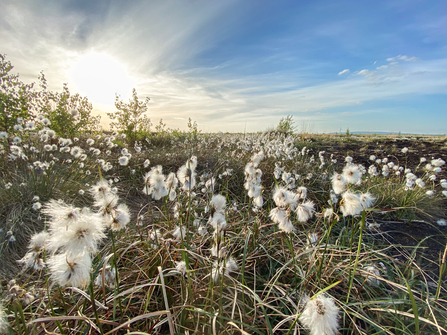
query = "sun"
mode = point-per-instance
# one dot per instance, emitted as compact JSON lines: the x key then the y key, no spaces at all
{"x":99,"y":76}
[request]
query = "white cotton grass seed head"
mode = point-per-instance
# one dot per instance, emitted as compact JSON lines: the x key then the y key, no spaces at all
{"x":218,"y":221}
{"x":437,"y":162}
{"x":367,"y":200}
{"x":179,"y":233}
{"x":230,"y":266}
{"x":254,"y":190}
{"x":171,"y":181}
{"x":100,"y":189}
{"x":286,"y":226}
{"x":350,"y":204}
{"x":123,"y":160}
{"x":107,"y":202}
{"x":70,"y":270}
{"x":216,"y":271}
{"x":192,"y":163}
{"x":38,"y":241}
{"x":218,"y":202}
{"x":61,"y":214}
{"x":76,"y":151}
{"x":328,"y":213}
{"x":320,"y":315}
{"x":277,"y":215}
{"x":301,"y":192}
{"x":305,"y":211}
{"x":258,"y":201}
{"x":338,"y":183}
{"x":281,"y":196}
{"x":32,"y":260}
{"x":187,"y":176}
{"x":441,"y":222}
{"x":181,"y":267}
{"x":352,"y":174}
{"x":36,"y":206}
{"x":419,"y":182}
{"x":121,"y":217}
{"x":157,"y":184}
{"x":257,"y":158}
{"x":83,"y":234}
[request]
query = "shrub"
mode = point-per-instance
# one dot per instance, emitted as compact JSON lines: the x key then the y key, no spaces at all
{"x":68,"y":113}
{"x":286,"y":125}
{"x":130,"y":117}
{"x":15,"y":97}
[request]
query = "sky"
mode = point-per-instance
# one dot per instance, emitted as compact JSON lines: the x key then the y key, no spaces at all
{"x":242,"y":65}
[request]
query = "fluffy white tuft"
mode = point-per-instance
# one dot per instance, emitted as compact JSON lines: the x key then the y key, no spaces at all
{"x":70,"y":270}
{"x":320,"y":315}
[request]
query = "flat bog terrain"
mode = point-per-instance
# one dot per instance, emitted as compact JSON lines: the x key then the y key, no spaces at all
{"x":185,"y":232}
{"x":423,"y":232}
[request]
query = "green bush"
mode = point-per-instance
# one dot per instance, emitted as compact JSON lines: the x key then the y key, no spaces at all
{"x":286,"y":125}
{"x":130,"y":117}
{"x":16,"y":98}
{"x":68,"y":113}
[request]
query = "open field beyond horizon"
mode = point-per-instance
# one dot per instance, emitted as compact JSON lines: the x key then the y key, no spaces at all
{"x":192,"y":233}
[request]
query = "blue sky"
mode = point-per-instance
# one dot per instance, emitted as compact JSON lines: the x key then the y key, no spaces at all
{"x":243,"y":65}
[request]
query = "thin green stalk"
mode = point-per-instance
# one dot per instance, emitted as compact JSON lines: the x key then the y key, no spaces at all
{"x":441,"y":274}
{"x":50,"y":303}
{"x":359,"y":247}
{"x":292,"y":253}
{"x":92,"y":299}
{"x":325,"y":249}
{"x":114,"y":265}
{"x":19,"y":310}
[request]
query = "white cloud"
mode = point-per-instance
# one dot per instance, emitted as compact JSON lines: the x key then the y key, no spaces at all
{"x":229,"y":104}
{"x":402,"y":57}
{"x":343,"y":72}
{"x":382,"y":67}
{"x":363,"y":72}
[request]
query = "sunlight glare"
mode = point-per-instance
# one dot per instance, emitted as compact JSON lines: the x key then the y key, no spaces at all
{"x":99,"y":76}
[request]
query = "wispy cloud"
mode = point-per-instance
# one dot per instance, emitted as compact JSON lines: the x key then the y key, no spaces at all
{"x":223,"y":102}
{"x":400,"y":57}
{"x":343,"y":72}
